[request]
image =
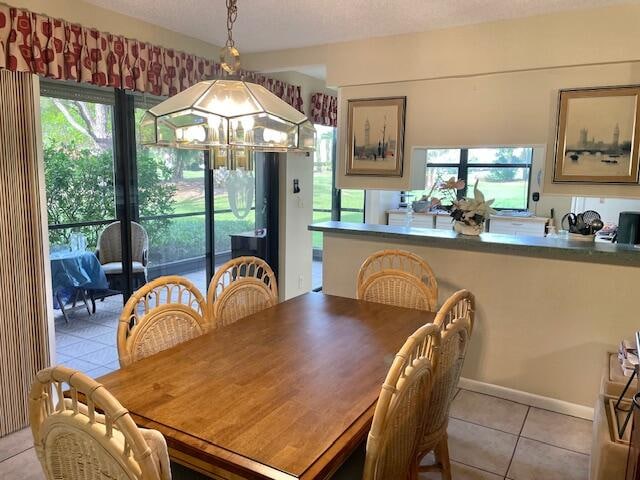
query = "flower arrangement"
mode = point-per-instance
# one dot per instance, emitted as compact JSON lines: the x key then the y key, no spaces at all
{"x":469,"y":213}
{"x":443,"y":187}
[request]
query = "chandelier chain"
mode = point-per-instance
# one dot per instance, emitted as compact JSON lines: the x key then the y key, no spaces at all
{"x":232,"y":14}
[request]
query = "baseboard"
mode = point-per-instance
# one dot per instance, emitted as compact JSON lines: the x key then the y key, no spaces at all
{"x":531,"y":399}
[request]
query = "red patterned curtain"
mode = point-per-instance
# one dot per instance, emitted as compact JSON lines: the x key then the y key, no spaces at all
{"x":324,"y":109}
{"x":54,"y":48}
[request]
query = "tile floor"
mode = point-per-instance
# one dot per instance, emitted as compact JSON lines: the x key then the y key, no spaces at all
{"x":489,"y":439}
{"x":88,"y":342}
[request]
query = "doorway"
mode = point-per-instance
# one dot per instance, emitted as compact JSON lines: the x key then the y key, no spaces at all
{"x":121,"y":214}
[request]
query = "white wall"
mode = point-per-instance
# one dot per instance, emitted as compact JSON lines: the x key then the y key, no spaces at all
{"x":608,"y":208}
{"x":296,"y":213}
{"x":377,"y":203}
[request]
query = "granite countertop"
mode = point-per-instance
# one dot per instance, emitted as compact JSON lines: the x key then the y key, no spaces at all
{"x":545,"y":247}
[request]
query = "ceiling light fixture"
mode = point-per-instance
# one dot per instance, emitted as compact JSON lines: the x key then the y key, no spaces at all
{"x":228,"y":114}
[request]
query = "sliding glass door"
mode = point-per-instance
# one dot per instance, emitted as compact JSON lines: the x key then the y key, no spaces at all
{"x":121,"y":215}
{"x":330,"y":203}
{"x":79,"y":165}
{"x":171,"y":208}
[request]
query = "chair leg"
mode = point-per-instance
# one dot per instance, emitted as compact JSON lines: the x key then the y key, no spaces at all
{"x":83,"y":296}
{"x":441,"y":453}
{"x":64,"y":313}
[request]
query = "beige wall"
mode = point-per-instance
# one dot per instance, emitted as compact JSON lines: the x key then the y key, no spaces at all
{"x":90,"y":15}
{"x":488,"y":84}
{"x":578,"y":37}
{"x":295,"y":214}
{"x":517,"y":108}
{"x":542,"y":326}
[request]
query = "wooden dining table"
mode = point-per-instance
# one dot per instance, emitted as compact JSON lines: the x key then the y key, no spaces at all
{"x":287,"y":393}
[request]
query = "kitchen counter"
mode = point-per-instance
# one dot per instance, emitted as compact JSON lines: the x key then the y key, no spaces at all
{"x":547,"y":309}
{"x":558,"y":247}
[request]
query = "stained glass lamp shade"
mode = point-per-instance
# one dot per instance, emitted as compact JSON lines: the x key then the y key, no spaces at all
{"x":227,"y":114}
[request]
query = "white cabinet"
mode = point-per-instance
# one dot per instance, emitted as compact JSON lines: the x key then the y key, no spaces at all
{"x":527,"y":226}
{"x":399,"y":218}
{"x":443,"y":222}
{"x":422,"y":220}
{"x":439,"y":221}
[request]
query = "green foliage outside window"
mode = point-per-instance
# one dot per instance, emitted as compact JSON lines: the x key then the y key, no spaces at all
{"x":80,"y":188}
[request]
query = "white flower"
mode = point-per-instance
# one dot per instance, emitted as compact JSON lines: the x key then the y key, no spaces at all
{"x":475,"y":206}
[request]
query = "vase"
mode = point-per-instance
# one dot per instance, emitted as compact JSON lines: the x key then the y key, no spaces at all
{"x":464,"y":229}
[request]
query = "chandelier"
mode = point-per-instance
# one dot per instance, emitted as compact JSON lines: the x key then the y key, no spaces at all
{"x":227,"y":115}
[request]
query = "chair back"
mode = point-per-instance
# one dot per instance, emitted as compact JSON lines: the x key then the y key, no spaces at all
{"x":395,"y":287}
{"x":455,"y":319}
{"x":110,"y":243}
{"x":241,"y":287}
{"x":404,"y":261}
{"x":397,"y":422}
{"x":163,"y":313}
{"x":74,"y":442}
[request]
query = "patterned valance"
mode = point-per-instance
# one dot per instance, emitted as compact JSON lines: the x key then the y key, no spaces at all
{"x":324,"y":109}
{"x":54,"y":48}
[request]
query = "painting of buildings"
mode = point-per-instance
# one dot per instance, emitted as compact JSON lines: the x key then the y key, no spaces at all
{"x":597,"y":140}
{"x":376,"y":128}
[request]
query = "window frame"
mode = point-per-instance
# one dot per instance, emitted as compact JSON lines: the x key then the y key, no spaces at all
{"x":463,"y":170}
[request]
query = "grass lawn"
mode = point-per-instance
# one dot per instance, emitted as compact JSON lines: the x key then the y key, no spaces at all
{"x":322,"y":186}
{"x":506,"y":194}
{"x":190,"y":198}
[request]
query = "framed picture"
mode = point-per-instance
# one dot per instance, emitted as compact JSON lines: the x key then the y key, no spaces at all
{"x":598,"y":135}
{"x":375,"y":136}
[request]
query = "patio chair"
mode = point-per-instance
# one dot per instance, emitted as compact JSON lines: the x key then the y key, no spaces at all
{"x":109,"y":252}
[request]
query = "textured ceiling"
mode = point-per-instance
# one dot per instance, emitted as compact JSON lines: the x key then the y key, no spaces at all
{"x":278,"y":24}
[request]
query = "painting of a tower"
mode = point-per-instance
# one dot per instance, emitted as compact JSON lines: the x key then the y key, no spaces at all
{"x":375,"y":133}
{"x":367,"y":133}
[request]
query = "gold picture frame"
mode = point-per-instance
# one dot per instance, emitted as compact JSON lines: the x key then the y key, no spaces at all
{"x":375,"y":136}
{"x":598,"y":135}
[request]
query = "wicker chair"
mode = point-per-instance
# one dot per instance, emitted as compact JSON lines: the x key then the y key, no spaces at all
{"x":164,"y":313}
{"x":74,"y":442}
{"x":395,"y":287}
{"x":398,"y":266}
{"x":455,"y":318}
{"x":241,"y":287}
{"x":109,"y":252}
{"x":399,"y":415}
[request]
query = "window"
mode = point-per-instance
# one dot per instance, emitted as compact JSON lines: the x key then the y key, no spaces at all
{"x":330,"y":203}
{"x":77,"y":134}
{"x":502,"y":173}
